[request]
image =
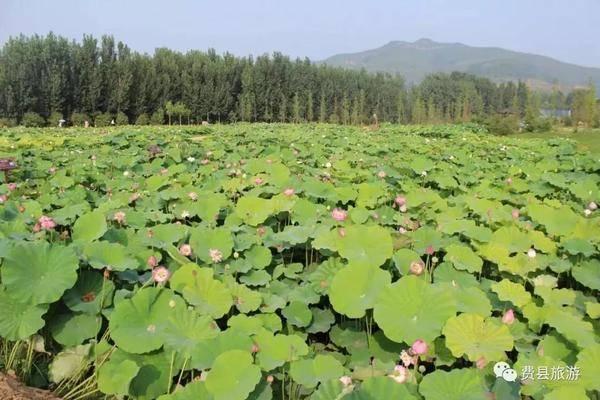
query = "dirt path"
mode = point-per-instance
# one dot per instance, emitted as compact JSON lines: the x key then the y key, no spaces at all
{"x":11,"y":389}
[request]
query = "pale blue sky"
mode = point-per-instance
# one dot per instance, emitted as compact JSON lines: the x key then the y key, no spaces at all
{"x":567,"y":30}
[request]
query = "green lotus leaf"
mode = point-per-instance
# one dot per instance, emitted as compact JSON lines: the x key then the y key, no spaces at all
{"x":197,"y":285}
{"x":365,"y":244}
{"x":256,"y":278}
{"x":113,"y":256}
{"x":68,"y":363}
{"x":403,"y":258}
{"x":462,"y":257}
{"x":355,"y":289}
{"x":576,"y":246}
{"x":184,"y":329}
{"x":471,"y":300}
{"x":211,"y":245}
{"x":297,"y":314}
{"x":558,"y":221}
{"x":569,"y":324}
{"x":382,"y":387}
{"x":458,"y":384}
{"x":321,"y":320}
{"x":233,"y":376}
{"x":253,"y":210}
{"x":588,"y":274}
{"x":567,"y":392}
{"x":195,"y":390}
{"x":19,"y":320}
{"x":115,"y":378}
{"x":73,"y":329}
{"x":329,"y":390}
{"x":169,"y":233}
{"x":426,"y":236}
{"x":258,"y":256}
{"x":323,"y":275}
{"x":311,"y":372}
{"x":90,"y":294}
{"x":276,"y":350}
{"x":588,"y":362}
{"x":406,"y":313}
{"x":205,"y":352}
{"x":37,"y":272}
{"x":592,"y":309}
{"x":246,"y":300}
{"x":89,"y":227}
{"x":513,"y":292}
{"x":137,"y":324}
{"x":476,"y":337}
{"x":243,"y":323}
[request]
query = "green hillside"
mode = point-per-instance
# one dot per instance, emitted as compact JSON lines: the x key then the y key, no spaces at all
{"x":415,"y":60}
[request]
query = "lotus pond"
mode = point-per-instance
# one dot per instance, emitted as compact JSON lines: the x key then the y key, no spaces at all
{"x":299,"y":262}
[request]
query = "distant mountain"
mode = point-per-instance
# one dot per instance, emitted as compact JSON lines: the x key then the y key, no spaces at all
{"x":416,"y":60}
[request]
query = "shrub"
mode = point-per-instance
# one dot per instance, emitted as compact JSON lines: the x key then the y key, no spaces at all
{"x":54,"y":118}
{"x":158,"y":117}
{"x":103,"y":119}
{"x":502,"y":125}
{"x":122,"y":119}
{"x":78,"y":119}
{"x":7,"y":122}
{"x":142,"y":119}
{"x":33,"y":120}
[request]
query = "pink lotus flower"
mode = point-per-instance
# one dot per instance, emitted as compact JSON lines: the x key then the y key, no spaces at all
{"x":346,"y":380}
{"x":258,"y":181}
{"x":400,"y":200}
{"x":417,"y":267}
{"x":509,"y":317}
{"x":289,"y":192}
{"x":429,"y":250}
{"x":3,"y":198}
{"x":407,"y":359}
{"x":481,"y":363}
{"x":255,"y":348}
{"x":46,"y":223}
{"x":160,"y":274}
{"x":592,"y":206}
{"x":215,"y":255}
{"x":152,"y":262}
{"x":119,"y":217}
{"x":12,"y":186}
{"x":381,"y":174}
{"x":400,"y":374}
{"x":270,"y":379}
{"x":419,"y":347}
{"x":515,"y":213}
{"x":402,"y":230}
{"x":36,"y":228}
{"x":261,"y":230}
{"x":339,"y":215}
{"x":185,"y":250}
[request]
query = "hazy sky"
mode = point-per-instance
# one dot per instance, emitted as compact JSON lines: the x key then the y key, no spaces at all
{"x":567,"y":30}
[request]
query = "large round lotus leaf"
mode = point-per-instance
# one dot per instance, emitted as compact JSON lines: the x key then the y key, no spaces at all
{"x":113,"y":256}
{"x":513,"y":292}
{"x":245,"y":299}
{"x":426,"y":236}
{"x":203,"y":240}
{"x":570,"y":324}
{"x":403,"y":258}
{"x":382,"y":387}
{"x":195,"y":390}
{"x":366,"y":244}
{"x":243,"y":323}
{"x":471,"y":335}
{"x":184,"y":329}
{"x":588,"y":361}
{"x":406,"y":310}
{"x":471,"y":300}
{"x":276,"y":350}
{"x":321,"y":320}
{"x":567,"y":392}
{"x":312,"y":371}
{"x":588,"y":274}
{"x":115,"y":377}
{"x":297,"y":314}
{"x":169,"y":233}
{"x":206,"y":351}
{"x":68,"y":363}
{"x":197,"y":285}
{"x":578,"y":246}
{"x":72,"y":329}
{"x":462,"y":257}
{"x":322,"y":277}
{"x":558,"y":221}
{"x":254,"y":210}
{"x":90,"y":290}
{"x":258,"y":256}
{"x":233,"y":376}
{"x":18,"y":320}
{"x":90,"y":226}
{"x":355,"y":289}
{"x":137,"y":324}
{"x":36,"y":272}
{"x":330,"y":390}
{"x":458,"y":384}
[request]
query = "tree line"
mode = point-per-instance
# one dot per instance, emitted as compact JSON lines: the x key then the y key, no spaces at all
{"x":101,"y":79}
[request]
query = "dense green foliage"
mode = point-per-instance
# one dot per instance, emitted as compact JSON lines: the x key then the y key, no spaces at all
{"x":298,"y":261}
{"x":104,"y":79}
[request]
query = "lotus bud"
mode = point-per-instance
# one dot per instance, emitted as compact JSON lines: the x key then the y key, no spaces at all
{"x":419,"y":347}
{"x":508,"y":317}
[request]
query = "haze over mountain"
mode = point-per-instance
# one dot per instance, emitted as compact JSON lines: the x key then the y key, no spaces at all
{"x":416,"y":60}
